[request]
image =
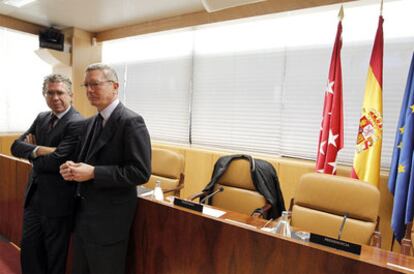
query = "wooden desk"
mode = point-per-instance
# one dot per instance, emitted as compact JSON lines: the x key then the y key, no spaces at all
{"x":13,"y":180}
{"x":169,"y":239}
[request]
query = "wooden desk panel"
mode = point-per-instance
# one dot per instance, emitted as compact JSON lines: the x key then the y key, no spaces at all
{"x":168,"y":239}
{"x":13,"y":180}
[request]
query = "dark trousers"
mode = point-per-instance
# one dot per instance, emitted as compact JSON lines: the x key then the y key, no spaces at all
{"x":45,"y":241}
{"x":91,"y":258}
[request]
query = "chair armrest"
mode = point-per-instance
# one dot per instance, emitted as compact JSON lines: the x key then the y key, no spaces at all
{"x":292,"y":202}
{"x":376,"y":237}
{"x":173,"y":189}
{"x":262,"y":212}
{"x":406,"y":242}
{"x":199,"y":195}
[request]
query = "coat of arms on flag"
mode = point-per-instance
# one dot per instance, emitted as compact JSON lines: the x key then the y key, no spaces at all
{"x":370,"y":129}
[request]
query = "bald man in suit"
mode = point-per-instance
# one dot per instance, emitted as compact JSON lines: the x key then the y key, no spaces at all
{"x":115,"y":157}
{"x":49,"y":201}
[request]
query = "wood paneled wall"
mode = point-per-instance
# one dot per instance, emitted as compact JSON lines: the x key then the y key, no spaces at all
{"x":16,"y":24}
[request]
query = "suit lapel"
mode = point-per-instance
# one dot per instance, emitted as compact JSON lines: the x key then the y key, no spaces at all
{"x":62,"y":120}
{"x":42,"y":135}
{"x":107,"y":132}
{"x":59,"y":126}
{"x":88,"y":136}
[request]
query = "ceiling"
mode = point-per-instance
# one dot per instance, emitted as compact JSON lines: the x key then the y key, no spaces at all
{"x":99,"y":15}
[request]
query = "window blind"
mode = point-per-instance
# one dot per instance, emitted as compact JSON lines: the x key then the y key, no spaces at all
{"x":237,"y":100}
{"x":21,"y":75}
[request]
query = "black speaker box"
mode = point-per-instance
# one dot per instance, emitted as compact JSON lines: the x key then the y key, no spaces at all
{"x":51,"y":38}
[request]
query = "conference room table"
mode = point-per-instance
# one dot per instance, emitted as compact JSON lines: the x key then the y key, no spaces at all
{"x":171,"y":239}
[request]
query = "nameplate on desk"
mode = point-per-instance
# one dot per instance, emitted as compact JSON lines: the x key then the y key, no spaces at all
{"x":335,"y":243}
{"x":188,"y":204}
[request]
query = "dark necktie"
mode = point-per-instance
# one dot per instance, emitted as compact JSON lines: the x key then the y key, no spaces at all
{"x":52,"y":121}
{"x":97,"y":129}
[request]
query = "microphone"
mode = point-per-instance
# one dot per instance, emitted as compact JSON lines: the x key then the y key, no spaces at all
{"x":341,"y":228}
{"x":220,"y":189}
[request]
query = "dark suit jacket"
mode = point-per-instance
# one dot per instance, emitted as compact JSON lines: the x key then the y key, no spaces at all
{"x":56,"y":195}
{"x":122,"y":160}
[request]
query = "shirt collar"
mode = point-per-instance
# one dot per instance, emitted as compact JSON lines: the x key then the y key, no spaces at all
{"x":60,"y":115}
{"x":106,"y":112}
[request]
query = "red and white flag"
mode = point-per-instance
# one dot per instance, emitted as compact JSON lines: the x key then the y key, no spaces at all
{"x":332,"y":134}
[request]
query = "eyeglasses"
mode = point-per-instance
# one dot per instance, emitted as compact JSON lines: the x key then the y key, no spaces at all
{"x":51,"y":94}
{"x":94,"y":85}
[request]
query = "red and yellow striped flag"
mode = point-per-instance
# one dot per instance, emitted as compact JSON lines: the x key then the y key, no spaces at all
{"x":367,"y":159}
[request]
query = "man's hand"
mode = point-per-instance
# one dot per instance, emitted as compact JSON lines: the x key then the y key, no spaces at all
{"x":79,"y":172}
{"x":30,"y":139}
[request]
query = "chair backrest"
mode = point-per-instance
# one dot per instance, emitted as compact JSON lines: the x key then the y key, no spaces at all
{"x":168,"y":167}
{"x":321,"y":201}
{"x":239,"y":193}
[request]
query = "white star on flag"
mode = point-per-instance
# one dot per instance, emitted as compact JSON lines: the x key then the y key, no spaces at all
{"x":321,"y":150}
{"x":332,"y":138}
{"x":332,"y":116}
{"x":329,"y":87}
{"x":333,"y":165}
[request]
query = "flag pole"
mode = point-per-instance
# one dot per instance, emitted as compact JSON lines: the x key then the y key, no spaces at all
{"x":341,"y":13}
{"x":382,"y":5}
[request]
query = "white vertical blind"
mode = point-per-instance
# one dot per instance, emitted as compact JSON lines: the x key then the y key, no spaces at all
{"x":236,"y":101}
{"x":159,"y":90}
{"x":155,"y":72}
{"x":258,"y":85}
{"x":305,"y":80}
{"x":120,"y":69}
{"x":21,"y":75}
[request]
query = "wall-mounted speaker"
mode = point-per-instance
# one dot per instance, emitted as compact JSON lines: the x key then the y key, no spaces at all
{"x":215,"y":5}
{"x":51,"y":38}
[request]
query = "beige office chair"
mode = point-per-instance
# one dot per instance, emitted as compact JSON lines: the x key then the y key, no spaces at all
{"x":168,"y":167}
{"x":239,"y":193}
{"x":321,"y":201}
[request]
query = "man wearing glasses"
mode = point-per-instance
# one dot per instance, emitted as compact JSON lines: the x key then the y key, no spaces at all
{"x":49,"y":201}
{"x":115,"y":157}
